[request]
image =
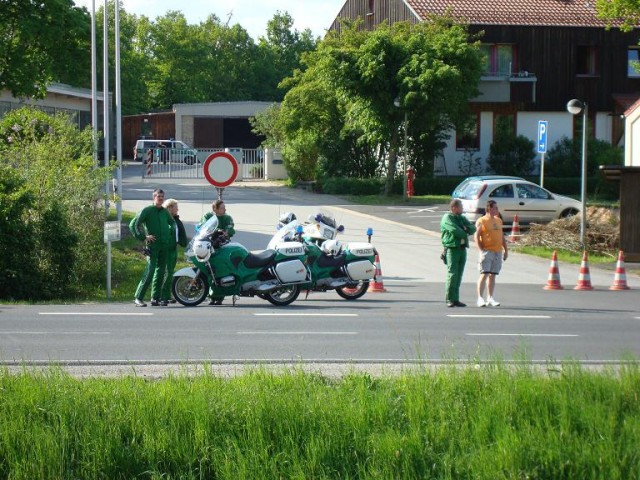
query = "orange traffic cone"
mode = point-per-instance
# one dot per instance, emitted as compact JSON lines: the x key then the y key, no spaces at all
{"x":620,"y":278}
{"x":553,"y":283}
{"x":377,"y":285}
{"x":515,"y":230}
{"x":584,"y":278}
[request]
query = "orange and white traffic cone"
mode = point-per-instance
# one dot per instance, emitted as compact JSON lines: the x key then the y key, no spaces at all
{"x":620,"y":277}
{"x":377,"y":285}
{"x":553,"y":283}
{"x":584,"y":278}
{"x":515,"y":230}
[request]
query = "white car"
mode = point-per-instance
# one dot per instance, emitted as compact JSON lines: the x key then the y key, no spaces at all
{"x":532,"y":203}
{"x":165,"y":150}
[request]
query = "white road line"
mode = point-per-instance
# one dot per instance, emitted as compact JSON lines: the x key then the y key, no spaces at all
{"x":295,"y":333}
{"x":500,"y":316}
{"x":26,"y":332}
{"x":305,"y":314}
{"x":99,"y":313}
{"x":522,"y":335}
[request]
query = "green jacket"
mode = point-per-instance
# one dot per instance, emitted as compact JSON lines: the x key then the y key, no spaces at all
{"x":455,"y":230}
{"x":182,"y":233}
{"x":154,"y":221}
{"x":225,"y":222}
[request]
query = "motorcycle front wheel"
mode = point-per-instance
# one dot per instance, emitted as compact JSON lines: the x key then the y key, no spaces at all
{"x":353,"y":291}
{"x":189,"y":291}
{"x":283,"y":296}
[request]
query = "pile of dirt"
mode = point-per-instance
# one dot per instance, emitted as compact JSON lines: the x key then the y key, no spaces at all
{"x":602,"y":233}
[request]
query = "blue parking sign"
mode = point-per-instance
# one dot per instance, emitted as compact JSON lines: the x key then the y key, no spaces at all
{"x":542,"y":136}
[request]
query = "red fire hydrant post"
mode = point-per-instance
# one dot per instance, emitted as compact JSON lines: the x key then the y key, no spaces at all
{"x":410,"y":176}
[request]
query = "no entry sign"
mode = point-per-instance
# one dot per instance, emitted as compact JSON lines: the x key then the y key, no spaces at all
{"x":220,"y":169}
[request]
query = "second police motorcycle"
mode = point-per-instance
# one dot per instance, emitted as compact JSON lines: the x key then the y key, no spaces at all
{"x":345,"y":268}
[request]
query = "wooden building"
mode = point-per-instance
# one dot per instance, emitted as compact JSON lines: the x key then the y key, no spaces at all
{"x":540,"y":54}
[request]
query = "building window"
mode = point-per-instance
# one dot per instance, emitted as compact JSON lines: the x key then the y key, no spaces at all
{"x":370,"y":6}
{"x":468,"y":136}
{"x":499,"y":59}
{"x":633,"y":62}
{"x":587,"y":58}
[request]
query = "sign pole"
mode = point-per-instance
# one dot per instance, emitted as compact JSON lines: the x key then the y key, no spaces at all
{"x":542,"y":170}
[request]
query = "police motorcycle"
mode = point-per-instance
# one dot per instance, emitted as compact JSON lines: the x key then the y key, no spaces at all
{"x":224,"y":268}
{"x":345,"y":268}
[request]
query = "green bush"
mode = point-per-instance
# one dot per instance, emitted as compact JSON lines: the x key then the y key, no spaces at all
{"x":564,"y":158}
{"x":61,"y":208}
{"x":351,"y":186}
{"x":511,"y":155}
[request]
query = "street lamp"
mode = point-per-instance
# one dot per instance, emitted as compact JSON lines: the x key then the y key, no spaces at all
{"x":405,"y":124}
{"x":576,"y":107}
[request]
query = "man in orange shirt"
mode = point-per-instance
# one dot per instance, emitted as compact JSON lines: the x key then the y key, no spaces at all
{"x":493,"y":250}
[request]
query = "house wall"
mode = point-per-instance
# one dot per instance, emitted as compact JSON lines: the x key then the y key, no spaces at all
{"x":632,"y":150}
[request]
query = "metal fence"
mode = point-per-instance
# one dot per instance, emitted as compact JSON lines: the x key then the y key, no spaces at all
{"x":176,"y":163}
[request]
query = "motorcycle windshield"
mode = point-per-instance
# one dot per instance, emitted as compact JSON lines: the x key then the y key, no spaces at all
{"x":207,"y":229}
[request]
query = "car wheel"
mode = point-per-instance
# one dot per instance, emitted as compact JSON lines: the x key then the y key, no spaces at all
{"x":189,"y":160}
{"x":571,"y":212}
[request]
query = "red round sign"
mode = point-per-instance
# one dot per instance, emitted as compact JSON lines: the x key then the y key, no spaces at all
{"x":220,"y":169}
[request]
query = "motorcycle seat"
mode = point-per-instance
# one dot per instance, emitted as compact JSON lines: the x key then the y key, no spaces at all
{"x":331,"y":261}
{"x":259,"y":259}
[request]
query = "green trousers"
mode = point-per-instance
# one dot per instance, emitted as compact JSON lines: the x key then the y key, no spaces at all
{"x":172,"y":259}
{"x":456,"y":259}
{"x":154,"y":272}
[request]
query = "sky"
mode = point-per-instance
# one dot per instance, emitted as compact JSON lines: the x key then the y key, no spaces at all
{"x":252,"y":15}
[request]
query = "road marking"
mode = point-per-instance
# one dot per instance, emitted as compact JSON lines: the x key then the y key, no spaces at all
{"x":26,"y":332}
{"x":98,"y":313}
{"x":522,"y":335}
{"x":306,"y":314}
{"x":295,"y":333}
{"x":500,"y":316}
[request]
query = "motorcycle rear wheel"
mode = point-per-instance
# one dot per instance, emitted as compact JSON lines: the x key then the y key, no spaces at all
{"x":189,"y":291}
{"x":283,"y":296}
{"x":353,"y":291}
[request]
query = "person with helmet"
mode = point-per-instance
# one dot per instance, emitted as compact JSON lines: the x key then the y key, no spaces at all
{"x":225,"y":223}
{"x":180,"y":235}
{"x":153,"y":224}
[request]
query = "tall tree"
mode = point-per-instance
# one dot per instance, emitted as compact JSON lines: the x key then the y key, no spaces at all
{"x":413,"y":77}
{"x":625,"y":11}
{"x":41,"y":42}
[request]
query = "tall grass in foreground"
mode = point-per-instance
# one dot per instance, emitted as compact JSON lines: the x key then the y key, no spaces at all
{"x":490,"y":423}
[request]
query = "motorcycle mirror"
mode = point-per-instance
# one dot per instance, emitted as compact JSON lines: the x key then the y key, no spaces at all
{"x":341,"y":228}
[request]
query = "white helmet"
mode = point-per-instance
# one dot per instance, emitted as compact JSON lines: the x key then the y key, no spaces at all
{"x":202,"y":250}
{"x":332,"y":247}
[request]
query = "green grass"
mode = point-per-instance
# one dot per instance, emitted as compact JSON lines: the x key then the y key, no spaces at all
{"x":398,"y":200}
{"x":493,"y":422}
{"x":563,"y":255}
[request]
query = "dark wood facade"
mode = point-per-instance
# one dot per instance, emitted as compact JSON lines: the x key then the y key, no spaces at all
{"x":550,"y":52}
{"x":151,"y":125}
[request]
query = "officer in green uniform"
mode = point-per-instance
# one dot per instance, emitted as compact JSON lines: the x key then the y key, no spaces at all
{"x":225,"y":223}
{"x":153,"y":224}
{"x":455,"y":230}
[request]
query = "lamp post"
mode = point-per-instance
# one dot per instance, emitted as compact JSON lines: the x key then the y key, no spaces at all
{"x":576,"y":107}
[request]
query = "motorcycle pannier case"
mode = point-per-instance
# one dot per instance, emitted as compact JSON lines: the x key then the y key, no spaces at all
{"x":291,"y":271}
{"x":361,"y":270}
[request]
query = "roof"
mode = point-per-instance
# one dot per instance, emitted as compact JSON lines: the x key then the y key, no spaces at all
{"x":559,"y":13}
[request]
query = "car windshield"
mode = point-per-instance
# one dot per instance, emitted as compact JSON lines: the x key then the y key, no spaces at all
{"x":470,"y":191}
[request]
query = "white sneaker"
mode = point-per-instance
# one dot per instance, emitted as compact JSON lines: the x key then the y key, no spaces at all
{"x":492,"y":302}
{"x":481,"y":302}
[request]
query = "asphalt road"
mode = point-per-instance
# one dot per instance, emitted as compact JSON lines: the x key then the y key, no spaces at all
{"x":409,"y":323}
